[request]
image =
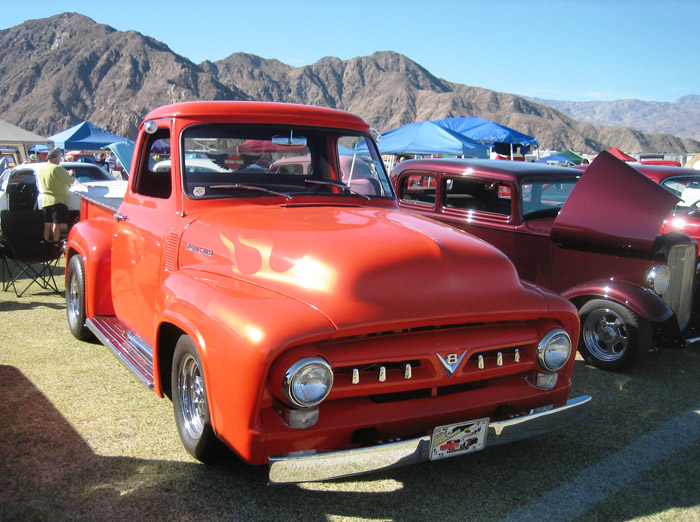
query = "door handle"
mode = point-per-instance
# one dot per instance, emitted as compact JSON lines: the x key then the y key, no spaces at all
{"x":120,"y":217}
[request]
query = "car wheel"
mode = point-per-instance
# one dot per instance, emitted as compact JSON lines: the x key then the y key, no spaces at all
{"x":75,"y":298}
{"x":189,"y":395}
{"x":612,"y":335}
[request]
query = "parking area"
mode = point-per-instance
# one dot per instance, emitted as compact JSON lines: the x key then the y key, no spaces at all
{"x":82,"y":439}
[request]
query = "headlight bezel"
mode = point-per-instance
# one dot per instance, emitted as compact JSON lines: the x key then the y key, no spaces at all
{"x":659,"y":279}
{"x":296,"y":371}
{"x":553,"y":362}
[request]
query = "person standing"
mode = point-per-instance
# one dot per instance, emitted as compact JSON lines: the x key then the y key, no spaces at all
{"x":54,"y":181}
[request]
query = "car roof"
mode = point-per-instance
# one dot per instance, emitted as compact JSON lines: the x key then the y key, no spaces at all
{"x":659,"y":173}
{"x":261,"y":113}
{"x":514,"y":171}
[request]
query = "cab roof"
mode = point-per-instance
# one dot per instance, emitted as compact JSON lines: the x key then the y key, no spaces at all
{"x":260,"y":112}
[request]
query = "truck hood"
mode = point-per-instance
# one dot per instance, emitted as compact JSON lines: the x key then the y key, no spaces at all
{"x":613,"y":206}
{"x":360,"y":266}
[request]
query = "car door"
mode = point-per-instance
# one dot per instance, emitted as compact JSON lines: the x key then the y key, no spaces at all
{"x":143,"y":220}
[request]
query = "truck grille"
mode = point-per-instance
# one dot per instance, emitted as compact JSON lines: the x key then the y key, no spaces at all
{"x":679,"y":296}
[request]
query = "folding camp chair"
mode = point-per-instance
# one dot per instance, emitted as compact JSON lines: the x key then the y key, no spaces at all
{"x":24,"y":253}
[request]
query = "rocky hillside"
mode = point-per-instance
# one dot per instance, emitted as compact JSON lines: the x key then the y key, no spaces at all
{"x":58,"y":71}
{"x":680,"y":118}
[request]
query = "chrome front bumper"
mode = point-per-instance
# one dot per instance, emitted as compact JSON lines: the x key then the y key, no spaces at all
{"x":313,"y":467}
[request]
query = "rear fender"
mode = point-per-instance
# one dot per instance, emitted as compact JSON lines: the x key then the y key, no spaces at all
{"x":94,"y":246}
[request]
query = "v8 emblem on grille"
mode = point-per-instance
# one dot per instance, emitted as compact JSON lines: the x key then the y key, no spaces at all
{"x":451,"y":361}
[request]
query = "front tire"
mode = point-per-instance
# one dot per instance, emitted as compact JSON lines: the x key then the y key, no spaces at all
{"x":189,"y":395}
{"x":75,"y":299}
{"x":612,"y":335}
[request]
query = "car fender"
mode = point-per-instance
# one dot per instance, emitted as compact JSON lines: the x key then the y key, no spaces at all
{"x":642,"y":301}
{"x":239,"y":329}
{"x":94,"y":246}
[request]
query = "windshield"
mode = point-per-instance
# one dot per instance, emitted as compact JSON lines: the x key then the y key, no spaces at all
{"x":544,"y":198}
{"x":228,"y":161}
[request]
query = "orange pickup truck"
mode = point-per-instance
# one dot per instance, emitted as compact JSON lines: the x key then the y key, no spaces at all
{"x":302,"y":319}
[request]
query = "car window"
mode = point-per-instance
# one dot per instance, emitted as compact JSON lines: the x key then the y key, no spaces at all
{"x":544,"y":198}
{"x":230,"y":161}
{"x":84,"y":174}
{"x":418,"y":188}
{"x":687,"y":188}
{"x":477,"y":195}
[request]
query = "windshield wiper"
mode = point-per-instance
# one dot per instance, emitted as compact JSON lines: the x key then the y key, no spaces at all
{"x":235,"y":186}
{"x":338,"y":184}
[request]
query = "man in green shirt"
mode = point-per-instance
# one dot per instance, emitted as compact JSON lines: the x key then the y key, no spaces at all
{"x":54,"y":181}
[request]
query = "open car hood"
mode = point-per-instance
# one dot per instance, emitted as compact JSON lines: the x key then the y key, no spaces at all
{"x":124,"y":153}
{"x":613,"y":206}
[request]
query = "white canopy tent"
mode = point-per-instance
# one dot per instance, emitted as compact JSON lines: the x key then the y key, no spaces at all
{"x":22,"y":140}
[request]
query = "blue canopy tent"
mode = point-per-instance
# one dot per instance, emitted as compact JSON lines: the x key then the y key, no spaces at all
{"x":425,"y":137}
{"x":501,"y":138}
{"x":557,"y":159}
{"x":85,"y":136}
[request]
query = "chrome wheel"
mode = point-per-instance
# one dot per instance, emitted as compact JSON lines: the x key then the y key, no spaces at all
{"x":192,"y":397}
{"x":605,"y":334}
{"x":74,"y":296}
{"x":612,"y":335}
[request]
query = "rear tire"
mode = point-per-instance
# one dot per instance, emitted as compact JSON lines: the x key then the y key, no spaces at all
{"x":191,"y":405}
{"x":612,"y":336}
{"x":75,"y":299}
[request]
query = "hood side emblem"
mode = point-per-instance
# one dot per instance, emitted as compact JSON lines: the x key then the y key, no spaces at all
{"x":451,"y":362}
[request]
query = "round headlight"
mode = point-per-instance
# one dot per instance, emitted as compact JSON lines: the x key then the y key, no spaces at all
{"x":308,"y":382}
{"x":554,"y":350}
{"x":659,"y":278}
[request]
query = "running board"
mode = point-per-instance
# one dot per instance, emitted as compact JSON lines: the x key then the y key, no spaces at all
{"x":129,"y":348}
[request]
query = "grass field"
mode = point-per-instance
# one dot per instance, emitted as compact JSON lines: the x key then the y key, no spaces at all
{"x":81,"y":439}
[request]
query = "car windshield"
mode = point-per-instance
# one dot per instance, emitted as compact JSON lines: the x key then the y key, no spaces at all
{"x":85,"y":172}
{"x":227,"y":161}
{"x":544,"y":198}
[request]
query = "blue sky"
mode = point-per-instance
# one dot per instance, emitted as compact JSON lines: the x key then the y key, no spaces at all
{"x":559,"y":49}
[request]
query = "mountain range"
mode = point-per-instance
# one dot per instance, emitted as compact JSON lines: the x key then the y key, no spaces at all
{"x":58,"y":71}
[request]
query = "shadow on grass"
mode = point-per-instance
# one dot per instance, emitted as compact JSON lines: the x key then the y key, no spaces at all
{"x":26,"y":303}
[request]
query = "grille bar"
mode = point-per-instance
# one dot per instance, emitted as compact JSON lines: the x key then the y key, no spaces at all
{"x":679,"y":296}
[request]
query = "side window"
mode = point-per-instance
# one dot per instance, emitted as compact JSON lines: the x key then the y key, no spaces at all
{"x":483,"y":196}
{"x":418,"y":188}
{"x":154,"y":178}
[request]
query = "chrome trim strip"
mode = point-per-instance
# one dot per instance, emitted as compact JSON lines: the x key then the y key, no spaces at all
{"x":311,"y":466}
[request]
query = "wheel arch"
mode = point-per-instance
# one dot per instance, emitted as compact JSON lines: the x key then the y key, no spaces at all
{"x":641,"y":301}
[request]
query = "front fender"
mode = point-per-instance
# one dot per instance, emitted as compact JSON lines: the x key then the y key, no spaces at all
{"x":642,"y":301}
{"x":239,"y":329}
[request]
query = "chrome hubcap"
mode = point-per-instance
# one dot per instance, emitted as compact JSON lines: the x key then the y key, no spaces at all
{"x":605,"y":335}
{"x":73,"y":300}
{"x":192,"y":397}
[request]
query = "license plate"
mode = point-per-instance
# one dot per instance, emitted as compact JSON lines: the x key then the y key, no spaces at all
{"x":458,"y":439}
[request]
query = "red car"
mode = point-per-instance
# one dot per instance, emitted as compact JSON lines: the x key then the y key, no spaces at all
{"x":571,"y":232}
{"x":684,"y":183}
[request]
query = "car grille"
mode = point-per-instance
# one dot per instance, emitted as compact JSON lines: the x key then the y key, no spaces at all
{"x":372,"y":367}
{"x":679,"y":296}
